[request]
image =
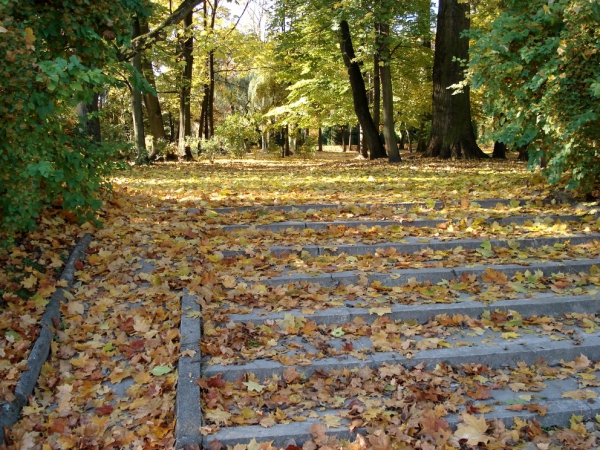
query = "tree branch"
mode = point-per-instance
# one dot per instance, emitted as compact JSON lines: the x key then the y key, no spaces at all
{"x":147,"y":40}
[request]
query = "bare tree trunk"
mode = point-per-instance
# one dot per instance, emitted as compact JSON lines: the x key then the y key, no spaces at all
{"x":320,"y":138}
{"x":136,"y":106}
{"x":89,"y":120}
{"x":185,"y":120}
{"x":499,"y":150}
{"x":376,"y":91}
{"x":388,"y":95}
{"x":153,"y":109}
{"x":344,"y":138}
{"x":452,"y":133}
{"x":359,"y":94}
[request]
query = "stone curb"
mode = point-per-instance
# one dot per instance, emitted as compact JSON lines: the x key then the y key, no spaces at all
{"x":9,"y":412}
{"x":188,"y":403}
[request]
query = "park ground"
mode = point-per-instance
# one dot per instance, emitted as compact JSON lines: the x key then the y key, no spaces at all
{"x":109,"y":334}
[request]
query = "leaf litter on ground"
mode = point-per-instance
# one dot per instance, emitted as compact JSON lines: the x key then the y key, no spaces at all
{"x":111,"y":379}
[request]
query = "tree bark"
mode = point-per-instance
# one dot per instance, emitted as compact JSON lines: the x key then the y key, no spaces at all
{"x":185,"y":120}
{"x":452,"y":132}
{"x":136,"y":106}
{"x":359,"y":94}
{"x":388,"y":94}
{"x":499,"y":150}
{"x":153,"y":109}
{"x":320,"y":138}
{"x":89,"y":120}
{"x":376,"y":90}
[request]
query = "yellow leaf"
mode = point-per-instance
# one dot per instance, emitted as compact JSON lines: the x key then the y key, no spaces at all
{"x":267,"y":422}
{"x":141,"y":325}
{"x":580,"y":394}
{"x":510,"y":335}
{"x":29,"y":282}
{"x":472,"y":429}
{"x":75,"y":308}
{"x":218,"y":416}
{"x":254,"y":386}
{"x":382,"y":311}
{"x":332,"y":421}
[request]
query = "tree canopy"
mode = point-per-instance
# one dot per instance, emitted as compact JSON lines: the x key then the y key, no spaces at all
{"x":208,"y":82}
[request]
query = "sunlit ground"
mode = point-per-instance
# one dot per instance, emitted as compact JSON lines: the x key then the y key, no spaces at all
{"x":332,"y":176}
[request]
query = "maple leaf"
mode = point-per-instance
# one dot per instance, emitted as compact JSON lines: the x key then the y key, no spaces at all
{"x":218,"y":416}
{"x":254,"y":386}
{"x":268,"y":422}
{"x":472,"y":429}
{"x":332,"y":421}
{"x":380,"y":311}
{"x":580,"y":394}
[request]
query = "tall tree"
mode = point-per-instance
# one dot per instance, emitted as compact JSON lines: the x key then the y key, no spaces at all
{"x":359,"y":94}
{"x":136,"y":103}
{"x":452,"y":133}
{"x":185,"y":116}
{"x":151,"y":101}
{"x":383,"y":48}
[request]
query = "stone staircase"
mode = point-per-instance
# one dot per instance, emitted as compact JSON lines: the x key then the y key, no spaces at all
{"x":345,"y":318}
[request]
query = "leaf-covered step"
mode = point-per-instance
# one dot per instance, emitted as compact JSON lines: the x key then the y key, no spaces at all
{"x":417,"y":400}
{"x":302,"y":341}
{"x":529,"y":350}
{"x":367,"y":221}
{"x":547,"y":304}
{"x":429,"y":204}
{"x":490,"y":288}
{"x":253,"y":241}
{"x":432,"y":275}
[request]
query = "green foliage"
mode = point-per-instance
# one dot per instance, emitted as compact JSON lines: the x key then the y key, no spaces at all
{"x":539,"y":65}
{"x":239,"y":132}
{"x":55,"y":58}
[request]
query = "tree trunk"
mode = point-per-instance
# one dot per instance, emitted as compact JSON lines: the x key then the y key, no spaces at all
{"x":344,"y":138}
{"x":359,"y":94}
{"x":320,"y":138}
{"x":136,"y":106}
{"x":153,"y":109}
{"x":89,"y":120}
{"x":376,"y":91}
{"x":388,"y":94}
{"x":499,"y":150}
{"x":452,"y":132}
{"x":185,"y":120}
{"x":285,"y":150}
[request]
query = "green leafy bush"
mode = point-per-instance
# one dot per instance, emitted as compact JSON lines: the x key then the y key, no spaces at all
{"x":55,"y":58}
{"x":539,"y":66}
{"x":239,"y":132}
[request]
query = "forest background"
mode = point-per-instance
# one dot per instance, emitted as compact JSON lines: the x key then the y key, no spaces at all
{"x":88,"y":87}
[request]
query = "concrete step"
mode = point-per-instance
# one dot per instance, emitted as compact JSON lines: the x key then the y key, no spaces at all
{"x":454,"y":346}
{"x":422,"y":345}
{"x":432,"y":275}
{"x":470,"y":203}
{"x":549,"y":396}
{"x":408,"y":222}
{"x":411,"y":244}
